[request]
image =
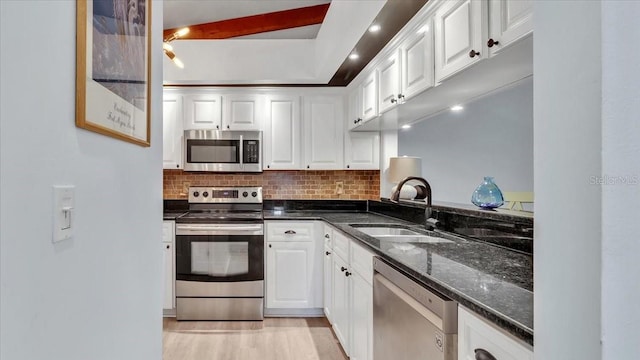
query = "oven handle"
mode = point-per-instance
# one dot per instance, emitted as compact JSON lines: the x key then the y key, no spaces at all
{"x":219,"y":229}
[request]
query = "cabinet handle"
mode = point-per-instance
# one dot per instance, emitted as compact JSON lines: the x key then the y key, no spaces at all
{"x":473,"y":53}
{"x":269,"y":245}
{"x":393,"y":100}
{"x":168,"y":246}
{"x":492,"y":42}
{"x":289,"y":232}
{"x":342,"y":268}
{"x":327,"y":253}
{"x":482,"y":354}
{"x":347,"y":273}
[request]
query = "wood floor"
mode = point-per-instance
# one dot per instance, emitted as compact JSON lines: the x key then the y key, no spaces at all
{"x":273,"y":338}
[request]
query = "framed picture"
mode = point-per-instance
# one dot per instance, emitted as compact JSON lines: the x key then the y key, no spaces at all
{"x":113,"y":68}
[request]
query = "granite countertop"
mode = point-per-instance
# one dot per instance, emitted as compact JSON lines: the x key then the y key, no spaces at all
{"x":494,"y":282}
{"x":172,"y":215}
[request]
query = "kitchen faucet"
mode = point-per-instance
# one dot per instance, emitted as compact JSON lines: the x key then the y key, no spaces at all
{"x":395,"y":197}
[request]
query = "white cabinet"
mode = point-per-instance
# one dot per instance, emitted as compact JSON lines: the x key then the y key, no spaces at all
{"x":323,"y":132}
{"x":202,"y":111}
{"x":417,"y":68}
{"x":282,"y":133}
{"x":362,"y":150}
{"x":354,"y":110}
{"x":171,"y":131}
{"x":293,"y":265}
{"x":168,"y":248}
{"x":327,"y":281}
{"x":509,"y":21}
{"x":361,"y":318}
{"x":475,"y":333}
{"x":341,"y":304}
{"x":460,"y":30}
{"x":389,"y":82}
{"x":369,"y":97}
{"x":242,"y":111}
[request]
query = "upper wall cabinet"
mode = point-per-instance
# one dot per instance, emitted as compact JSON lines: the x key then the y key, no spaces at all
{"x":323,"y":129}
{"x":202,"y":111}
{"x":416,"y":53}
{"x":509,"y":21}
{"x":362,"y":150}
{"x":282,"y":133}
{"x":389,"y":78}
{"x":171,"y":131}
{"x":369,"y":97}
{"x":354,"y":110}
{"x":460,"y":30}
{"x":242,"y":112}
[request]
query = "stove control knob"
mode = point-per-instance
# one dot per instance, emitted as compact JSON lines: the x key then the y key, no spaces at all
{"x":254,"y":194}
{"x":205,"y":194}
{"x":196,"y":194}
{"x":245,"y":194}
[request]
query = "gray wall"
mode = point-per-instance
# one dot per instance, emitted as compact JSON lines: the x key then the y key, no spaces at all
{"x":492,"y":136}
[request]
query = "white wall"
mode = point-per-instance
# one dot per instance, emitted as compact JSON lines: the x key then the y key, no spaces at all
{"x":98,"y":295}
{"x":621,"y":195}
{"x":567,"y":152}
{"x":492,"y":136}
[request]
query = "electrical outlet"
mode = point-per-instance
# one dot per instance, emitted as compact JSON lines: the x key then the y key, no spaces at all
{"x":185,"y":187}
{"x":339,"y":187}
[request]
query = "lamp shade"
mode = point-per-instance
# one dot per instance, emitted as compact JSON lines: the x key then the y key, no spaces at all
{"x":402,"y":167}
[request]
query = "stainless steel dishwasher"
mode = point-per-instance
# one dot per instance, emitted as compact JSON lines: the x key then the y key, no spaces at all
{"x":409,"y":321}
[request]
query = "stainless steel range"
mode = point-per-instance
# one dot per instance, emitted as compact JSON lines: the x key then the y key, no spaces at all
{"x":220,"y":255}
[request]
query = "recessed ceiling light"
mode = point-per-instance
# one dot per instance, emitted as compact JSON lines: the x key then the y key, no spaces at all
{"x":456,"y":108}
{"x":353,"y":56}
{"x":374,"y":28}
{"x":423,"y":29}
{"x":406,"y":126}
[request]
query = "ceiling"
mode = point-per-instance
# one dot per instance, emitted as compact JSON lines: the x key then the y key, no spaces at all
{"x":278,"y":42}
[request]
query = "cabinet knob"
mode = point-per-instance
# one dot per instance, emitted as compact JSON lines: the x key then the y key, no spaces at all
{"x":177,"y":166}
{"x":289,"y":232}
{"x":347,"y":273}
{"x":307,"y":166}
{"x":359,"y":119}
{"x":269,"y":245}
{"x":228,"y":127}
{"x":168,"y":246}
{"x":482,"y":354}
{"x":326,"y":236}
{"x":393,"y":100}
{"x":218,"y":127}
{"x":400,"y":96}
{"x":268,"y":166}
{"x":355,"y":121}
{"x":492,"y":42}
{"x":327,"y":253}
{"x":348,"y":166}
{"x":342,"y":268}
{"x":473,"y":53}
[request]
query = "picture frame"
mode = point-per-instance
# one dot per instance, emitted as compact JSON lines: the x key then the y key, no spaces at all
{"x":113,"y":68}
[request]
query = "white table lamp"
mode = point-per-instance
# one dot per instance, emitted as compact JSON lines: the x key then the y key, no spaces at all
{"x":401,"y":168}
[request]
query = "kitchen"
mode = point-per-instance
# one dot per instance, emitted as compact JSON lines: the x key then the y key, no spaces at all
{"x":120,"y":207}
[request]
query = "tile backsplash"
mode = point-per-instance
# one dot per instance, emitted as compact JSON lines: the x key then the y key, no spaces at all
{"x":302,"y":184}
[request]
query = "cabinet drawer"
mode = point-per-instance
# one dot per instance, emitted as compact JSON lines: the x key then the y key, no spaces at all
{"x":167,"y":231}
{"x":327,"y":235}
{"x":341,"y":246}
{"x":361,"y":261}
{"x":289,"y":230}
{"x":475,"y":333}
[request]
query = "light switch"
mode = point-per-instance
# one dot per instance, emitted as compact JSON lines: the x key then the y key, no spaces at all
{"x":63,"y":212}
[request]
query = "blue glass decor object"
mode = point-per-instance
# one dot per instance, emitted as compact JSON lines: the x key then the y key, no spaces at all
{"x":487,"y":195}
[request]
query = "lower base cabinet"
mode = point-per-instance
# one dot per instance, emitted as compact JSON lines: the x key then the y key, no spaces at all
{"x":341,"y":303}
{"x":168,"y":241}
{"x":361,"y":318}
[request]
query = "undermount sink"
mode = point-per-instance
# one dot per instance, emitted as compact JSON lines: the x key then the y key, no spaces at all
{"x":398,"y":234}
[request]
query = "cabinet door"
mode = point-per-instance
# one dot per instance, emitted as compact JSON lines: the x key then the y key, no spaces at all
{"x":417,"y":62}
{"x":327,"y":283}
{"x":361,"y":319}
{"x":340,"y":293}
{"x":474,"y":333}
{"x":242,"y":112}
{"x":509,"y":21}
{"x":323,"y":132}
{"x":354,"y":113}
{"x":290,"y":275}
{"x":169,"y":298}
{"x":172,"y":131}
{"x":389,"y":77}
{"x":362,"y":150}
{"x":460,"y":30}
{"x":369,"y":97}
{"x":202,"y":111}
{"x":282,"y":133}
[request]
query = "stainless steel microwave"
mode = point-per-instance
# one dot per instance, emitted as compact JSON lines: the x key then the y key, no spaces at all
{"x":223,"y":150}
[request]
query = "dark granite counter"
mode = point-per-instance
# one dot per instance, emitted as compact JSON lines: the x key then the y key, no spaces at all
{"x":172,"y":215}
{"x":494,"y":282}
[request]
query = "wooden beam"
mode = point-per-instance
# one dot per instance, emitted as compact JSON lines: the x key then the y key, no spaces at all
{"x":248,"y":25}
